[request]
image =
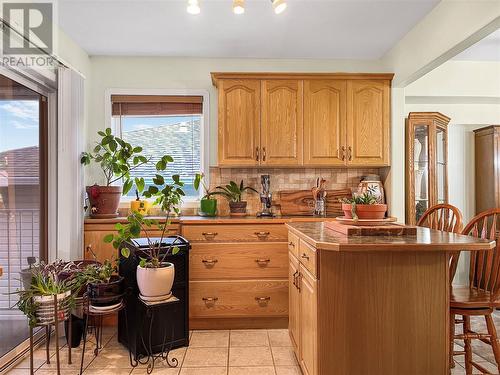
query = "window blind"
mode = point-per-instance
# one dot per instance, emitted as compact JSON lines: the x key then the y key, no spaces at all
{"x":156,"y":105}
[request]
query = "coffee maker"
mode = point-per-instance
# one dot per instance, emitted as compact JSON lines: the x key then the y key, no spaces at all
{"x":265,"y":196}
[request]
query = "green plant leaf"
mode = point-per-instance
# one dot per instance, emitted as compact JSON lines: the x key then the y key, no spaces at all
{"x":108,"y":131}
{"x":137,"y":149}
{"x":125,"y":252}
{"x":101,"y":133}
{"x":161,"y":165}
{"x":127,"y":185}
{"x":142,"y":262}
{"x":139,"y":183}
{"x":168,"y":159}
{"x":108,"y":238}
{"x":176,"y":178}
{"x":175,"y":250}
{"x":158,"y":180}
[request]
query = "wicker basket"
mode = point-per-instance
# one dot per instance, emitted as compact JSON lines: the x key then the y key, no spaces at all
{"x":45,"y":313}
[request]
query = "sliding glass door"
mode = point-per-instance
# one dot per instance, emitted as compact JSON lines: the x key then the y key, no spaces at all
{"x":23,"y":184}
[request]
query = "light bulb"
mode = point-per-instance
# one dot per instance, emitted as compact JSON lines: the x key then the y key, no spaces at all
{"x":279,"y":6}
{"x":193,"y":7}
{"x":239,"y":6}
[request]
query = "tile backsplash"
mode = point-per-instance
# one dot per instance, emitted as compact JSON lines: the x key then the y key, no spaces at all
{"x":284,"y":179}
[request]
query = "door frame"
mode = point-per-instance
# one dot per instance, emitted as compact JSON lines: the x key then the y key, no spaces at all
{"x":48,"y":187}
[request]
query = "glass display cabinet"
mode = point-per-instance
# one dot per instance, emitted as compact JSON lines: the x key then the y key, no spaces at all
{"x":426,"y":162}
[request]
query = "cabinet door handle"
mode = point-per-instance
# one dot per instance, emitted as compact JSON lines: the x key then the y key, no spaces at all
{"x":209,"y":262}
{"x":291,"y":244}
{"x":257,"y":154}
{"x":210,"y":299}
{"x":209,"y":235}
{"x":262,"y":262}
{"x":263,"y":154}
{"x":343,"y":153}
{"x":297,"y":281}
{"x":305,"y":256}
{"x":262,"y":235}
{"x":262,"y":300}
{"x":294,"y":276}
{"x":349,"y":153}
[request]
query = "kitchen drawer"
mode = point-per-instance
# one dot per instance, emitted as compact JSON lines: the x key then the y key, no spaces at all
{"x":235,"y":233}
{"x":307,"y":257}
{"x":293,"y":244}
{"x":208,"y":261}
{"x":225,"y":299}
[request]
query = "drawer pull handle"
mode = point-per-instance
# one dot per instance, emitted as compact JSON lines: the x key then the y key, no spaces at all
{"x":291,"y":244}
{"x":262,"y":262}
{"x":209,"y":262}
{"x":304,"y":256}
{"x":210,"y":299}
{"x":294,"y":276}
{"x":262,"y":235}
{"x":262,"y":300}
{"x":209,"y":235}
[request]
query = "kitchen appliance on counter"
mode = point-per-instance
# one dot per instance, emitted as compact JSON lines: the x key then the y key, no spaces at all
{"x":266,"y":196}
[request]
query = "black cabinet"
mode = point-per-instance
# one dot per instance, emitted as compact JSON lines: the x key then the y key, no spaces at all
{"x":171,"y":321}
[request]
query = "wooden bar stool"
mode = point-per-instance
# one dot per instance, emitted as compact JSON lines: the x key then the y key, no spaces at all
{"x":481,"y":297}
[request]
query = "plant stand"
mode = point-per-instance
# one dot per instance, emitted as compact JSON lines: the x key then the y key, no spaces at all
{"x":57,"y":313}
{"x":97,"y":317}
{"x":163,"y":355}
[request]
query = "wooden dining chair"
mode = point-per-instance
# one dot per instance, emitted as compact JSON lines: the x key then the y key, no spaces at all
{"x":481,"y":297}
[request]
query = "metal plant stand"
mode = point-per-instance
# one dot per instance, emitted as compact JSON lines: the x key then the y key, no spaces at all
{"x":59,"y":316}
{"x":163,"y":355}
{"x":97,"y":318}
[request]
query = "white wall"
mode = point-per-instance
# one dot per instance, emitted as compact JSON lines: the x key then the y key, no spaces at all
{"x":189,"y":73}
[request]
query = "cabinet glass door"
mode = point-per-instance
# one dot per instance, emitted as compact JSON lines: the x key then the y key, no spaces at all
{"x":421,"y":168}
{"x":441,"y":165}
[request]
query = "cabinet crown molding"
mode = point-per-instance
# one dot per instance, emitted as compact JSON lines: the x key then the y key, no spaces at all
{"x":216,"y":76}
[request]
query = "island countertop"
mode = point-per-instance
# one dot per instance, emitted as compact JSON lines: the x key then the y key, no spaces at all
{"x":323,"y":238}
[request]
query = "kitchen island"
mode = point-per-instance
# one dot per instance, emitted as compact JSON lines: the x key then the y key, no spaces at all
{"x":375,"y":305}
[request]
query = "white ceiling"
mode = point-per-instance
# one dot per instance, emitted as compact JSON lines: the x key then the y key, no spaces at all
{"x":320,"y":29}
{"x":487,"y":49}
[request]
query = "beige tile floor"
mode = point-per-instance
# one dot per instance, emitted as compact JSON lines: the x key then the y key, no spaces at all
{"x":235,"y":352}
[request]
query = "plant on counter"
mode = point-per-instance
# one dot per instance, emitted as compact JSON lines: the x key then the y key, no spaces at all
{"x":208,"y":205}
{"x":363,"y":206}
{"x":233,"y":193}
{"x":155,"y":276}
{"x":117,"y":159}
{"x":36,"y":300}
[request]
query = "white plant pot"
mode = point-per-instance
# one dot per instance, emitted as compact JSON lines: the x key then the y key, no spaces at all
{"x":155,"y":282}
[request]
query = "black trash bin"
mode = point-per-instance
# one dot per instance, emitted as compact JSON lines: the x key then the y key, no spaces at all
{"x":172,"y":319}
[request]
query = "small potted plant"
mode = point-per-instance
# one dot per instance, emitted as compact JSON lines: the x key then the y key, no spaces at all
{"x":233,"y":192}
{"x":155,"y":276}
{"x":36,"y":300}
{"x":363,"y":206}
{"x":208,"y":205}
{"x":117,"y":159}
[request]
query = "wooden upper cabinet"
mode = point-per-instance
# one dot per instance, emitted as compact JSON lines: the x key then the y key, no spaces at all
{"x":304,"y":119}
{"x":368,"y":122}
{"x":239,"y":122}
{"x":324,"y":122}
{"x":281,"y":126}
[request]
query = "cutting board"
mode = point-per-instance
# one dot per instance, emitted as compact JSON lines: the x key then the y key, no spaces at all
{"x":301,"y":202}
{"x":393,"y":229}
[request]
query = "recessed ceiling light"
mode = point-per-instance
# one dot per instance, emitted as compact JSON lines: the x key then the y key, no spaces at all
{"x":239,"y":6}
{"x":279,"y":6}
{"x":193,"y":7}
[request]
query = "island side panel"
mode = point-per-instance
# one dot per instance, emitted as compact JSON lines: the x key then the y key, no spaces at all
{"x":383,"y":313}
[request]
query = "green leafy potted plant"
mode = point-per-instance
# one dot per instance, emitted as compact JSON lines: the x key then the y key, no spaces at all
{"x":208,"y":205}
{"x":233,"y":192}
{"x":36,"y":300}
{"x":363,"y":206}
{"x":117,"y":159}
{"x":155,"y":276}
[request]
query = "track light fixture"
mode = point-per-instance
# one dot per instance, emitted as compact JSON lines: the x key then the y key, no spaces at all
{"x":279,"y":6}
{"x":193,"y":7}
{"x":239,"y":6}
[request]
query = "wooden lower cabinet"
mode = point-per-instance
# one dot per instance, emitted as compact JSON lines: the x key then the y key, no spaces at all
{"x":303,"y":318}
{"x":308,"y":322}
{"x":238,"y":275}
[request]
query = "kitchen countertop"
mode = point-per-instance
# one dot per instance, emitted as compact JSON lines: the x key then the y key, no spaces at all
{"x":323,"y":238}
{"x":193,"y":220}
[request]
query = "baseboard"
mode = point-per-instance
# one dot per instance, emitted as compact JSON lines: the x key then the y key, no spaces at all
{"x":239,"y":323}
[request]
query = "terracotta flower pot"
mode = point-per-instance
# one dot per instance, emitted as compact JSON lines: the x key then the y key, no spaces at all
{"x":238,"y":208}
{"x":104,"y":200}
{"x":365,"y":211}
